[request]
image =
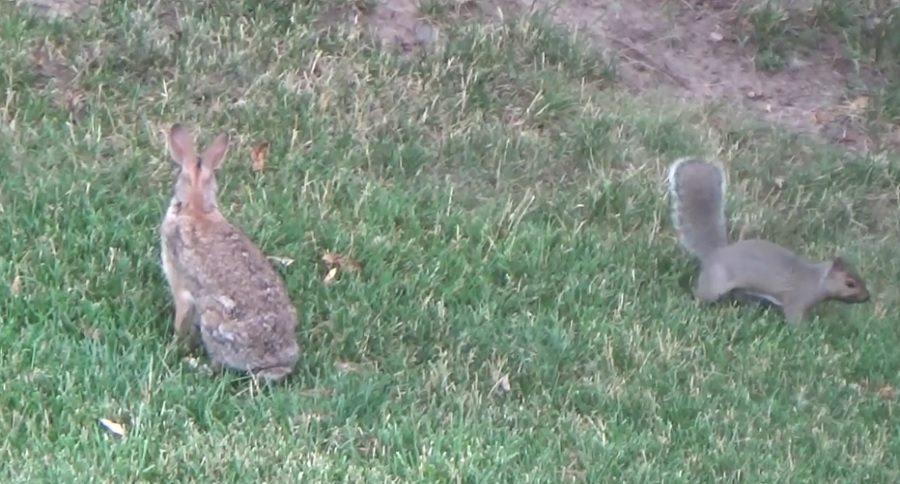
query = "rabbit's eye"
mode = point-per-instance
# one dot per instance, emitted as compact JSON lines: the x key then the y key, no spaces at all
{"x":850,"y":283}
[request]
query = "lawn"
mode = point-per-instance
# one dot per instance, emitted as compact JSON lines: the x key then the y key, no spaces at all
{"x":523,"y":312}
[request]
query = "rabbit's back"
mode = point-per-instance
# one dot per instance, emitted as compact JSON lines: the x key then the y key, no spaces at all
{"x":246,"y":318}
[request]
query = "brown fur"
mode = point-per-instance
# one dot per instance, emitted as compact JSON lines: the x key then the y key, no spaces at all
{"x":226,"y":293}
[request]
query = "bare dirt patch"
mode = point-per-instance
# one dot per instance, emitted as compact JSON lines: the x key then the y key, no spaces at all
{"x":61,"y":8}
{"x":397,"y":23}
{"x":689,"y":49}
{"x":692,"y":50}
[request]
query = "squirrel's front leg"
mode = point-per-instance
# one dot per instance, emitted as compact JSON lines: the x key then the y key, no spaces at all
{"x":795,"y":314}
{"x":712,"y":284}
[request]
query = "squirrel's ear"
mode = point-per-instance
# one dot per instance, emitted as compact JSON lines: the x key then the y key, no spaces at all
{"x":838,"y":263}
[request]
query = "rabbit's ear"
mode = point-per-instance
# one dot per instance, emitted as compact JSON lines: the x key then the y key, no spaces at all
{"x":181,"y":146}
{"x":215,"y":152}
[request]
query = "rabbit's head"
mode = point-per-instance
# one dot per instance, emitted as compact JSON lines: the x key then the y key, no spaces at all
{"x":195,"y":187}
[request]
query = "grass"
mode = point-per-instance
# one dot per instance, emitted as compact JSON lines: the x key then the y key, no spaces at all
{"x":506,"y":198}
{"x":867,"y":30}
{"x":867,"y":33}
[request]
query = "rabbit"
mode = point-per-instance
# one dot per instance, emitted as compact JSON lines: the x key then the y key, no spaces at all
{"x":226,"y":293}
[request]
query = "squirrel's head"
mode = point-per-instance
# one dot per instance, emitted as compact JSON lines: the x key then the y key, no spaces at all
{"x":844,"y":284}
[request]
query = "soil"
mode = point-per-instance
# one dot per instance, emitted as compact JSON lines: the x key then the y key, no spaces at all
{"x":60,"y":8}
{"x":691,"y":49}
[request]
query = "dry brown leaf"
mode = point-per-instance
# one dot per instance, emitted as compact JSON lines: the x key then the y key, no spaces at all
{"x":347,"y":367}
{"x":341,"y":262}
{"x":114,"y":428}
{"x":281,"y":260}
{"x":258,"y":156}
{"x":502,"y":385}
{"x":309,"y":417}
{"x":40,"y":55}
{"x":895,"y":133}
{"x":821,"y":117}
{"x":59,"y":9}
{"x":198,"y":365}
{"x":91,"y":332}
{"x":331,"y":276}
{"x":16,"y":287}
{"x":368,"y":447}
{"x":317,"y":392}
{"x":72,"y":100}
{"x":887,"y":392}
{"x":859,"y":104}
{"x":47,"y":67}
{"x":337,"y":262}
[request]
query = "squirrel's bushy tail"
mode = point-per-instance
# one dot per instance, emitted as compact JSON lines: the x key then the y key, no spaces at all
{"x":697,"y":190}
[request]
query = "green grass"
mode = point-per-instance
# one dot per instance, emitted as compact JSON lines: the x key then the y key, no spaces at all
{"x":506,"y":198}
{"x":867,"y":33}
{"x":867,"y":30}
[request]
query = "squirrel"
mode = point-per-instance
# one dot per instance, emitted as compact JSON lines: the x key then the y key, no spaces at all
{"x":753,"y":268}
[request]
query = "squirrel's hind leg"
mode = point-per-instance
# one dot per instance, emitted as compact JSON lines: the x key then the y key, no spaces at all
{"x":713,"y":283}
{"x":795,"y":314}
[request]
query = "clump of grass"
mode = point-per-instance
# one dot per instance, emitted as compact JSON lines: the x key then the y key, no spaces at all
{"x":867,"y":30}
{"x":770,"y":34}
{"x":523,"y":313}
{"x":869,"y":33}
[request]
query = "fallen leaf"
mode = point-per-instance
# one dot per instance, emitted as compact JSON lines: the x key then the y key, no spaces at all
{"x":859,"y":104}
{"x":40,"y":56}
{"x":347,"y":367}
{"x":341,"y":262}
{"x":337,"y":262}
{"x":309,"y":417}
{"x":198,"y":365}
{"x":368,"y":447}
{"x":91,"y":332}
{"x":193,"y":362}
{"x":281,"y":260}
{"x":114,"y":428}
{"x":715,"y":36}
{"x":58,"y":9}
{"x":48,"y":68}
{"x":887,"y":392}
{"x":317,"y":392}
{"x":72,"y":100}
{"x":258,"y":156}
{"x":821,"y":117}
{"x":331,"y":276}
{"x":16,"y":287}
{"x":502,"y":385}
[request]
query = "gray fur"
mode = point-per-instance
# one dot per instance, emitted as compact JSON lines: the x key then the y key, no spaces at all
{"x":749,"y":269}
{"x":697,"y":190}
